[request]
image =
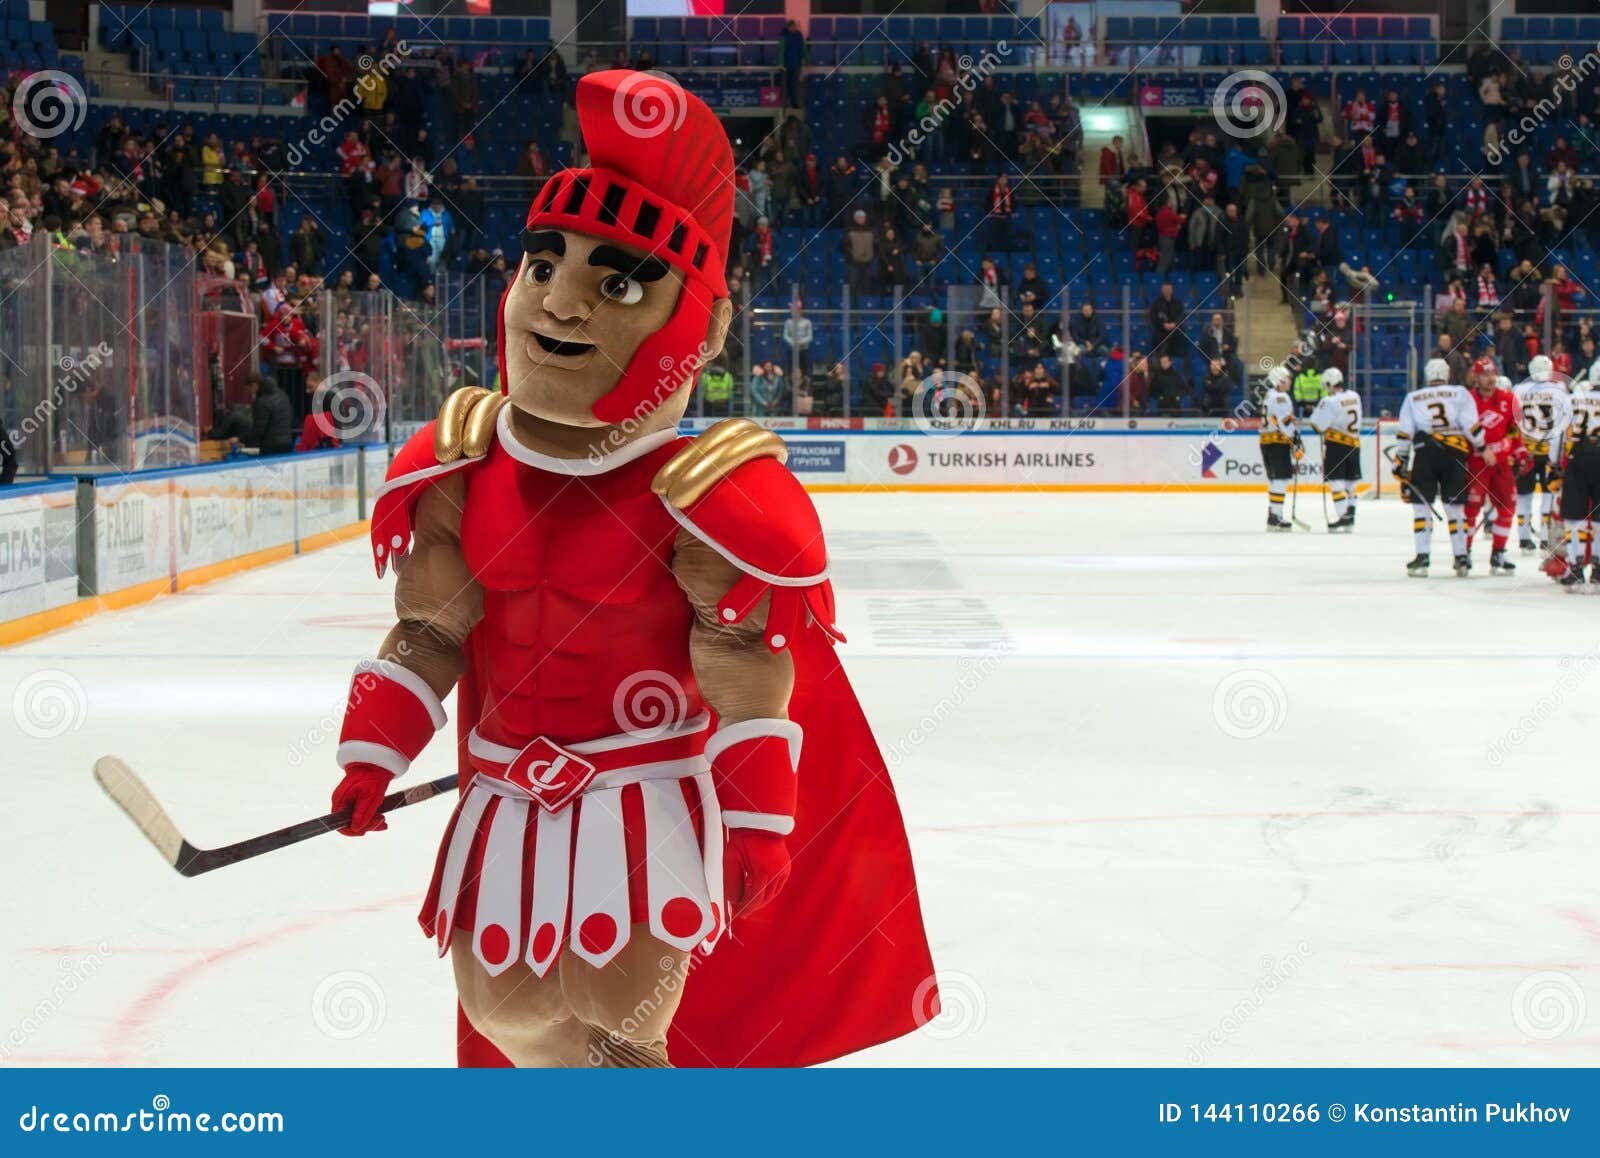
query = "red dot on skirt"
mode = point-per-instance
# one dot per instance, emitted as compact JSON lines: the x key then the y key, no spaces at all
{"x":495,"y":944}
{"x":597,"y":932}
{"x":680,"y":917}
{"x":544,"y":941}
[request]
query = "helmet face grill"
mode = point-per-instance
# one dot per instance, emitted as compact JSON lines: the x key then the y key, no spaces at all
{"x":612,"y":206}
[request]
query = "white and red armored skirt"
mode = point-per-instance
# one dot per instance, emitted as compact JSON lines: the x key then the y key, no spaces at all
{"x":570,"y":846}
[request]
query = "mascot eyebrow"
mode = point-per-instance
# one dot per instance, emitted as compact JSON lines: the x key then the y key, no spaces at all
{"x":610,"y":256}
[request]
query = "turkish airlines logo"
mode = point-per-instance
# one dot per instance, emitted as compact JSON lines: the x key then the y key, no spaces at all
{"x":902,"y":459}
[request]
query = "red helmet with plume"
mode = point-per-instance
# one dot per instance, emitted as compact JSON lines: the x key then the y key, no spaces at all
{"x":660,"y":179}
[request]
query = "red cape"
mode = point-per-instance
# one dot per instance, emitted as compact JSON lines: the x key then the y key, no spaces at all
{"x":840,"y":960}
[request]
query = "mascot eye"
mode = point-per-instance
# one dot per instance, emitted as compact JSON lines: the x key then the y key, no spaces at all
{"x":622,"y":289}
{"x":540,"y":272}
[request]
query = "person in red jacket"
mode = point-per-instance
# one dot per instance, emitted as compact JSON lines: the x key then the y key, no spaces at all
{"x":1169,"y":224}
{"x":1113,"y":161}
{"x":1491,"y":474}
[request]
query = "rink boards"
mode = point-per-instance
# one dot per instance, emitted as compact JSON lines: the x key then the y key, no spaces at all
{"x":1047,"y":454}
{"x":72,"y":547}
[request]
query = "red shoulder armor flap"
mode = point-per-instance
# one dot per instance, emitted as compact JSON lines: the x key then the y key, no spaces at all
{"x":414,"y":469}
{"x":761,"y":520}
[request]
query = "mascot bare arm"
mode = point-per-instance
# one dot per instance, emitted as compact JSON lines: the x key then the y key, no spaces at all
{"x":437,"y":603}
{"x":748,"y":686}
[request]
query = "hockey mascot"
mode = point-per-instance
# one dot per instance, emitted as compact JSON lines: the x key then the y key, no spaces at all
{"x":676,"y":838}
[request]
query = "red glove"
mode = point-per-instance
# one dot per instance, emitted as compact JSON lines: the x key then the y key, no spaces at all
{"x":391,"y":716}
{"x":362,"y":790}
{"x":755,"y":868}
{"x":753,"y":765}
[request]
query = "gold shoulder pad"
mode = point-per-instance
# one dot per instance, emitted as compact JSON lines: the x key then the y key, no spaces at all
{"x":465,"y":426}
{"x":713,"y":456}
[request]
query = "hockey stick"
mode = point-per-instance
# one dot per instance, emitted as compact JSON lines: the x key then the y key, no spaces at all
{"x":132,"y":795}
{"x":1406,"y":492}
{"x":1294,"y":499}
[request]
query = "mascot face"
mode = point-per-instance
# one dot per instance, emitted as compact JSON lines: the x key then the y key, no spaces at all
{"x":579,"y":310}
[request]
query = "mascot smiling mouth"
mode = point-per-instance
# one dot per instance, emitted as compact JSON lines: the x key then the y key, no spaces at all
{"x":556,"y":346}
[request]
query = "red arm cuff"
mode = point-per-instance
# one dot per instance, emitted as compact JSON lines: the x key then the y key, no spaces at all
{"x":391,"y":716}
{"x":753,"y":766}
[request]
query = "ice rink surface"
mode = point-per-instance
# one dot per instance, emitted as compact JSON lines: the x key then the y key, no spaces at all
{"x":1180,"y":793}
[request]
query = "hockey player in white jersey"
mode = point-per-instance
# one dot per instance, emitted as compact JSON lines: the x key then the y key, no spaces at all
{"x":1338,"y":419}
{"x":1438,"y":427}
{"x":1580,"y":484}
{"x":1280,"y":445}
{"x":1545,"y":403}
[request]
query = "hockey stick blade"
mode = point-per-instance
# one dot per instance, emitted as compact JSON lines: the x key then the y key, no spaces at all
{"x":134,"y":797}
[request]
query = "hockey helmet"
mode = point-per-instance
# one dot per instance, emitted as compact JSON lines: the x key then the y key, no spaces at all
{"x":1437,"y":370}
{"x":1333,"y":378}
{"x":1278,"y":377}
{"x":1540,"y":368}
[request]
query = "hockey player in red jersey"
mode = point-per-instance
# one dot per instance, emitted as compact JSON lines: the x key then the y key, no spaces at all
{"x":662,"y":763}
{"x":1491,"y":473}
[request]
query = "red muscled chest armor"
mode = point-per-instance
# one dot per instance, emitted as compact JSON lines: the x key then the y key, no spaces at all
{"x":585,"y":631}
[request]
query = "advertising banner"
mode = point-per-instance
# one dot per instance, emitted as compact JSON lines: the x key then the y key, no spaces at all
{"x":225,"y":512}
{"x":328,"y":490}
{"x":38,"y":548}
{"x":1179,"y":460}
{"x":133,"y":539}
